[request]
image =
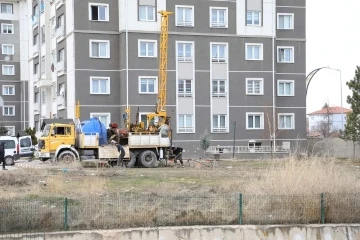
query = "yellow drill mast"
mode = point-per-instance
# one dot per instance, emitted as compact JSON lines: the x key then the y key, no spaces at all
{"x":160,"y":110}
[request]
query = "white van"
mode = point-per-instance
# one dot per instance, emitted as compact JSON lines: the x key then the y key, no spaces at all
{"x":14,"y":150}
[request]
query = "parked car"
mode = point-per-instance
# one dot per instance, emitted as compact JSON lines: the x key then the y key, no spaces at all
{"x":15,"y":149}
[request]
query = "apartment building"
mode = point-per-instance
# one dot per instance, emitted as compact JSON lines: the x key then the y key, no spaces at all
{"x":13,"y":65}
{"x":229,"y":61}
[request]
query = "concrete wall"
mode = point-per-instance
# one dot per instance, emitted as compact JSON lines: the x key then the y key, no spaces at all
{"x":298,"y":232}
{"x":332,"y":147}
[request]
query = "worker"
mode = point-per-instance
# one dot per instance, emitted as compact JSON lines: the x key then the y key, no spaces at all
{"x":121,"y":156}
{"x":2,"y":155}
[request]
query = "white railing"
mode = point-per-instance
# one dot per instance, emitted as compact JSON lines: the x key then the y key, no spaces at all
{"x":36,"y":107}
{"x":35,"y":48}
{"x":218,"y":24}
{"x":245,"y":149}
{"x":60,"y":100}
{"x":60,"y":66}
{"x":185,"y":23}
{"x":60,"y":31}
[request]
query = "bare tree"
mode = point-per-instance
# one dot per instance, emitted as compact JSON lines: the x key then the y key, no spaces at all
{"x":271,"y":129}
{"x":326,"y":127}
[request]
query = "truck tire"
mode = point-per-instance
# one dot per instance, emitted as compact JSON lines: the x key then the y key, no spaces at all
{"x":9,"y":161}
{"x":148,"y":158}
{"x":132,"y":161}
{"x":66,"y":157}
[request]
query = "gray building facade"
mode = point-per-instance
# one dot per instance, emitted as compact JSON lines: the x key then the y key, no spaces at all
{"x":13,"y":66}
{"x":229,"y":61}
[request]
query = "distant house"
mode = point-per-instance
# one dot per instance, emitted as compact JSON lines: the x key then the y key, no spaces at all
{"x":334,"y":114}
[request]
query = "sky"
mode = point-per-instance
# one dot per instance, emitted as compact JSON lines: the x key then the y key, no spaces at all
{"x":333,"y":39}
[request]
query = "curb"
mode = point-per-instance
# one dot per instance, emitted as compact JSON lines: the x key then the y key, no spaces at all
{"x":25,"y":165}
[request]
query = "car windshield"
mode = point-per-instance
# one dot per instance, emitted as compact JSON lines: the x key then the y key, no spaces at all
{"x":46,"y":131}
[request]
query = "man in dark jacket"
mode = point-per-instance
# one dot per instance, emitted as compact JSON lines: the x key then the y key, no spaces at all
{"x":2,"y":155}
{"x":121,"y":156}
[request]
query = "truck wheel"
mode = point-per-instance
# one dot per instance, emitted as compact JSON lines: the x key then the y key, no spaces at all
{"x":148,"y":158}
{"x":132,"y":161}
{"x":9,"y":161}
{"x":66,"y":157}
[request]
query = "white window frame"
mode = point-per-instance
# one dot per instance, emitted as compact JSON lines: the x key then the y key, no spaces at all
{"x":147,"y":15}
{"x":7,"y":45}
{"x":107,"y":85}
{"x":218,"y":94}
{"x":292,"y":88}
{"x":147,"y":41}
{"x":255,"y":114}
{"x":185,"y":93}
{"x":7,"y":25}
{"x":185,"y":129}
{"x":218,"y":59}
{"x":10,"y":129}
{"x":185,"y":24}
{"x":108,"y":115}
{"x":252,"y":24}
{"x":10,"y":66}
{"x":156,"y":119}
{"x":291,"y":22}
{"x":292,"y":121}
{"x":286,"y":47}
{"x":155,"y":87}
{"x":107,"y":13}
{"x":219,"y":129}
{"x":261,"y":52}
{"x":261,"y":86}
{"x":9,"y":106}
{"x":7,"y":3}
{"x":184,"y":58}
{"x":91,"y":41}
{"x":218,"y":24}
{"x":8,"y":86}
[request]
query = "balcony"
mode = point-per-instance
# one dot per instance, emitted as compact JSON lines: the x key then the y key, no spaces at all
{"x":61,"y":102}
{"x":60,"y":32}
{"x":43,"y":83}
{"x":60,"y":68}
{"x":36,"y":49}
{"x":36,"y":79}
{"x":35,"y":21}
{"x":58,"y":3}
{"x":36,"y":108}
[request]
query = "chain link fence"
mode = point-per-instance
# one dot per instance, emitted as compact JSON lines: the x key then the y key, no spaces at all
{"x":39,"y":215}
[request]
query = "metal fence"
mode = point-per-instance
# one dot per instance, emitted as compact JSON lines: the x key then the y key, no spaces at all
{"x":39,"y":215}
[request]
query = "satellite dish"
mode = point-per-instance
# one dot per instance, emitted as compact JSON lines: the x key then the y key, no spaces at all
{"x":7,"y":58}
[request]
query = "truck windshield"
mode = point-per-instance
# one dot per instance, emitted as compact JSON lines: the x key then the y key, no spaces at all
{"x":46,"y":131}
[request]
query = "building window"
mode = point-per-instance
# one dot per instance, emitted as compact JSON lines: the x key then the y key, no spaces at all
{"x":60,"y":21}
{"x":147,"y":48}
{"x":184,"y":16}
{"x":99,"y":49}
{"x":143,"y":118}
{"x":253,"y":18}
{"x":36,"y":68}
{"x":254,"y":51}
{"x":42,"y":31}
{"x":8,"y":70}
{"x":42,"y":6}
{"x":254,"y":86}
{"x":218,"y":53}
{"x":61,"y":55}
{"x":103,"y":117}
{"x":7,"y":8}
{"x":43,"y":97}
{"x":98,"y":12}
{"x":61,"y":88}
{"x":286,"y":121}
{"x":42,"y":66}
{"x":7,"y":49}
{"x":185,"y":124}
{"x":285,"y":88}
{"x":219,"y":124}
{"x":285,"y":55}
{"x":285,"y":21}
{"x":146,"y":13}
{"x":99,"y":85}
{"x":36,"y":39}
{"x":9,"y":111}
{"x":7,"y":28}
{"x":8,"y":90}
{"x":11,"y":130}
{"x":185,"y":52}
{"x":218,"y":88}
{"x":218,"y":17}
{"x":184,"y":88}
{"x":36,"y":97}
{"x":148,"y":85}
{"x":254,"y":121}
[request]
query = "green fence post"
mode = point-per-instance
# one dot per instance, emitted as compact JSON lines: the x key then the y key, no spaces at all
{"x":240,"y":208}
{"x":66,"y":214}
{"x":322,"y":208}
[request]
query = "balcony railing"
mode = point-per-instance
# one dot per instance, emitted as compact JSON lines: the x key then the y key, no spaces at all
{"x":60,"y":31}
{"x":60,"y":102}
{"x":36,"y":48}
{"x":36,"y":108}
